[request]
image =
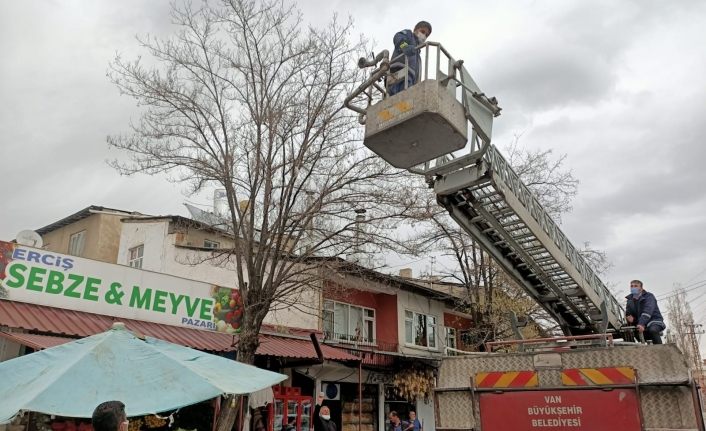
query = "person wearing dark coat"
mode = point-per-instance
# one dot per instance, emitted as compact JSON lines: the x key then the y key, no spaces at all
{"x":406,"y":42}
{"x":322,"y":417}
{"x":642,"y":310}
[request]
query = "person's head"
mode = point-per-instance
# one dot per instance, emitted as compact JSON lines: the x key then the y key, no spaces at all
{"x":394,"y":418}
{"x":325,"y":413}
{"x":412,"y":415}
{"x":110,"y":416}
{"x":636,"y":287}
{"x":422,"y":30}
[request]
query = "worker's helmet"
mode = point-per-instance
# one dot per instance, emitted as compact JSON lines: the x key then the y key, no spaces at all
{"x":422,"y":24}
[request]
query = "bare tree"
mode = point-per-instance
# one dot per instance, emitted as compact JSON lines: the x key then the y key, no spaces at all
{"x":246,"y":98}
{"x":547,"y":177}
{"x":681,"y":323}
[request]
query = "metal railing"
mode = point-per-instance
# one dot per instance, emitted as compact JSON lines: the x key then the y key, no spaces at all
{"x":359,"y":342}
{"x":447,"y":70}
{"x":553,"y":342}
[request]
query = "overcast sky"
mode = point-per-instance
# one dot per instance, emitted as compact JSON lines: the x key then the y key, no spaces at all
{"x":619,"y":86}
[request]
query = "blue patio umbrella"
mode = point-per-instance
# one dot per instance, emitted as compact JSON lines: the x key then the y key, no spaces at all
{"x":148,"y":375}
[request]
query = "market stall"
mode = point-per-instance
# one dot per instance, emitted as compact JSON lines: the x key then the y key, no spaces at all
{"x":148,"y":375}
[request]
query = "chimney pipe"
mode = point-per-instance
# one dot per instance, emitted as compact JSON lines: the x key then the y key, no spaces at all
{"x":406,"y":273}
{"x":358,"y":246}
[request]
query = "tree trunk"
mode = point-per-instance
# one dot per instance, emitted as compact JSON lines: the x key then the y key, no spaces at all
{"x":247,"y":346}
{"x":229,"y":413}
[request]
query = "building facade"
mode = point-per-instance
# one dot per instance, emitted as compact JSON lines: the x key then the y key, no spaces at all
{"x":93,"y":233}
{"x":382,"y":335}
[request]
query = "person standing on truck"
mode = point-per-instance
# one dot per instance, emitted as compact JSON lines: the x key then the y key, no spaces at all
{"x":406,"y":42}
{"x":642,"y":311}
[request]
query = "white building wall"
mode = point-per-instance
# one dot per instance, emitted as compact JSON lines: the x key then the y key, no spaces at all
{"x":425,"y":413}
{"x":161,"y":254}
{"x":150,"y":234}
{"x":423,"y":305}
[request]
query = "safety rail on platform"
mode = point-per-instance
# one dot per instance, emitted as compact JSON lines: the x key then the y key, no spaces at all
{"x":450,"y":74}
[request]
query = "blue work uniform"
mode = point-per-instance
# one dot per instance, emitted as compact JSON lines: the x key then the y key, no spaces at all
{"x":405,"y":43}
{"x":645,"y":312}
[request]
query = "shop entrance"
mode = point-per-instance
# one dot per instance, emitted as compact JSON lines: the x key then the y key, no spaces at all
{"x":342,"y":399}
{"x":394,"y":402}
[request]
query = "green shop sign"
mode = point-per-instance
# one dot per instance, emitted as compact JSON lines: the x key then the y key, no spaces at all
{"x":55,"y":280}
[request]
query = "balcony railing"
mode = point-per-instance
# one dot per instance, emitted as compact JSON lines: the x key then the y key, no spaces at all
{"x":359,"y":342}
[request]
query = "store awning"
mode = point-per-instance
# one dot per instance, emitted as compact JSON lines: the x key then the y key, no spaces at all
{"x":35,"y":341}
{"x":59,"y":321}
{"x":77,"y":324}
{"x":299,"y":349}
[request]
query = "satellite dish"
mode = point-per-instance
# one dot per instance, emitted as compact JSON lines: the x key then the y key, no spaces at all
{"x":29,"y":238}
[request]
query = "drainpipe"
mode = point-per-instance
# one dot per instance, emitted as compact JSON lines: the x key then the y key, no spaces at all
{"x":360,"y":394}
{"x":317,"y":347}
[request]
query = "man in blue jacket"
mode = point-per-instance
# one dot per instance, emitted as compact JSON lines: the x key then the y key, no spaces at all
{"x":642,"y":310}
{"x":406,"y":42}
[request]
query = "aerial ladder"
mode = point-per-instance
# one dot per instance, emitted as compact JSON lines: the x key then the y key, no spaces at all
{"x":425,"y":129}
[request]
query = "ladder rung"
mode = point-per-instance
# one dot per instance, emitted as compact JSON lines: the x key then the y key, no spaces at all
{"x":518,"y":228}
{"x":502,"y":213}
{"x":526,"y":243}
{"x":527,"y":235}
{"x":487,"y":195}
{"x":513,"y":223}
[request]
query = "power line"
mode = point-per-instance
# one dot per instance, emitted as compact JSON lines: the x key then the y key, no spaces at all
{"x":407,"y":263}
{"x":697,"y":274}
{"x":685,"y":289}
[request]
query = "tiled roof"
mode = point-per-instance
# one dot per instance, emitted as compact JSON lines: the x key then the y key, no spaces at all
{"x":299,"y":348}
{"x":35,"y":341}
{"x":76,"y":324}
{"x":81,"y":324}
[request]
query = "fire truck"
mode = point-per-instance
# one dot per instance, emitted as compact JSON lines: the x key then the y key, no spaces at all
{"x":440,"y":127}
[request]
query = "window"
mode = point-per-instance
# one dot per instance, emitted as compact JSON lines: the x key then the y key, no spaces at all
{"x":420,"y":329}
{"x":348,"y":322}
{"x":207,"y":243}
{"x":451,"y":340}
{"x":76,"y":243}
{"x":134,"y":258}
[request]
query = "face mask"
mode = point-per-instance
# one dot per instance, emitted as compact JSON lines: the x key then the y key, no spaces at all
{"x":420,"y":37}
{"x":326,"y":417}
{"x":635,"y":291}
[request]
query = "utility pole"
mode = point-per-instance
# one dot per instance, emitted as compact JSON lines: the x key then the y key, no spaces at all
{"x":691,"y":331}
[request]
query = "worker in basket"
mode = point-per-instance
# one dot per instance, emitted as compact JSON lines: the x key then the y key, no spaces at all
{"x":407,"y":42}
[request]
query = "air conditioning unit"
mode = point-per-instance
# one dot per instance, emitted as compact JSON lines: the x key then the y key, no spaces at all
{"x":331,"y":391}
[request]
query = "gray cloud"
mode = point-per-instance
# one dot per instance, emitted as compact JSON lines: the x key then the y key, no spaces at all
{"x":618,"y":86}
{"x":541,"y":74}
